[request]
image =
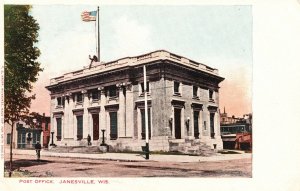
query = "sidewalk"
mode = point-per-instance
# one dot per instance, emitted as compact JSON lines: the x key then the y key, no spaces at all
{"x":134,"y":157}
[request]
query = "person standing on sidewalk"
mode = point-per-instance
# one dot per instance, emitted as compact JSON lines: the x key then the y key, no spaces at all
{"x":89,"y":140}
{"x":38,"y":148}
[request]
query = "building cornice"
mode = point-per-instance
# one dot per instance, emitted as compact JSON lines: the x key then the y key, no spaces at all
{"x":129,"y":62}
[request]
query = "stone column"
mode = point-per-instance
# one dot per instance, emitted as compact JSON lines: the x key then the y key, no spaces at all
{"x":62,"y":128}
{"x":71,"y":116}
{"x":139,"y":124}
{"x":66,"y":119}
{"x":183,"y":126}
{"x":85,"y":114}
{"x":173,"y":122}
{"x":52,"y":120}
{"x":122,"y":114}
{"x":217,"y":124}
{"x":102,"y":117}
{"x":200,"y":123}
{"x":207,"y":123}
{"x":129,"y":111}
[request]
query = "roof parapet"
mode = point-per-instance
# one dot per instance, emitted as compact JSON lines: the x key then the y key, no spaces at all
{"x":133,"y":61}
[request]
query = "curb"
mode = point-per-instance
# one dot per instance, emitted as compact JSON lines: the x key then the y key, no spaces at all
{"x":106,"y":159}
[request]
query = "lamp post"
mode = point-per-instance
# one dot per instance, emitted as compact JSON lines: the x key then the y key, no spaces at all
{"x":103,"y":146}
{"x":103,"y":142}
{"x":52,"y":135}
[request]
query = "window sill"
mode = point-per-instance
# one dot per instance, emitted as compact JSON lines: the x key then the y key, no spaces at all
{"x":79,"y":103}
{"x":59,"y":107}
{"x":113,"y":98}
{"x":143,"y":94}
{"x":177,"y":94}
{"x":211,"y":100}
{"x":196,"y":97}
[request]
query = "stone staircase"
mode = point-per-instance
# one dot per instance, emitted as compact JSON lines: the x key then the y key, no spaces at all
{"x":76,"y":149}
{"x":191,"y":146}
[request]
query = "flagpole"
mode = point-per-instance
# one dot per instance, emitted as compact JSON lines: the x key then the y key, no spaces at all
{"x":98,"y":35}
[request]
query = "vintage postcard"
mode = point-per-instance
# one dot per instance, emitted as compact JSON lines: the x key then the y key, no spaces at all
{"x":119,"y":95}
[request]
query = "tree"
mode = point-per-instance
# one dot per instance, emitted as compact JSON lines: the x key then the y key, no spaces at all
{"x":20,"y":66}
{"x":34,"y":120}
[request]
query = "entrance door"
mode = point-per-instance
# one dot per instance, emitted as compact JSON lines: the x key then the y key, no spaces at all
{"x":177,"y":123}
{"x":95,"y":126}
{"x":212,"y":125}
{"x":196,"y":124}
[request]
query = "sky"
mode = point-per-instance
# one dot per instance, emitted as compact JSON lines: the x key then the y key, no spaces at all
{"x":218,"y":36}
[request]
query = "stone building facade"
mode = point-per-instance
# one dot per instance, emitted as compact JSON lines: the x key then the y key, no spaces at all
{"x":183,"y":103}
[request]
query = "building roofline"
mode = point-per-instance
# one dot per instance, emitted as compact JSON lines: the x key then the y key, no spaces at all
{"x":142,"y":59}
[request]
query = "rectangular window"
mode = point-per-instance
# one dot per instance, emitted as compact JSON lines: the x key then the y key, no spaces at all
{"x":79,"y":127}
{"x":113,"y":125}
{"x":196,"y":124}
{"x":195,"y":91}
{"x":176,"y":87}
{"x":95,"y":95}
{"x":21,"y":139}
{"x":36,"y":136}
{"x":142,"y":87}
{"x":60,"y":101}
{"x":112,"y":91}
{"x":79,"y":97}
{"x":8,"y":137}
{"x":211,"y":93}
{"x":58,"y":125}
{"x":144,"y":125}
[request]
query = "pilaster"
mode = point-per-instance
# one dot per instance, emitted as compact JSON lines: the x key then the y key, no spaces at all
{"x":86,"y":127}
{"x":70,"y":116}
{"x":200,"y":126}
{"x":122,"y":114}
{"x":102,"y":118}
{"x":217,"y":124}
{"x":66,"y":119}
{"x":207,"y":118}
{"x":129,"y":108}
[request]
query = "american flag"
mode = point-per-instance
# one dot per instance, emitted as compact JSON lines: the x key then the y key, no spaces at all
{"x":89,"y":16}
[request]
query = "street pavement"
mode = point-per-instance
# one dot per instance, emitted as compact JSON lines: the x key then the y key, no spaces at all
{"x":134,"y":157}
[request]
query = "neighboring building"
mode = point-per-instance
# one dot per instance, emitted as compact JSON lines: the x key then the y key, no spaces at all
{"x":26,"y":136}
{"x":183,"y":103}
{"x":46,"y":129}
{"x":225,"y":119}
{"x":236,"y":132}
{"x":7,"y":136}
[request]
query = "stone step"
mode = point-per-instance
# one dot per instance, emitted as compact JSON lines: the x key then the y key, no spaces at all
{"x":191,"y":146}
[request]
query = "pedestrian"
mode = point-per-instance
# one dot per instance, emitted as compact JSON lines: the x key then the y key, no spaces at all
{"x":89,"y":139}
{"x":38,"y":148}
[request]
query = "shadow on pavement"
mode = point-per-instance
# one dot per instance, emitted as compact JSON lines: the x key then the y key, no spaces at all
{"x":25,"y":163}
